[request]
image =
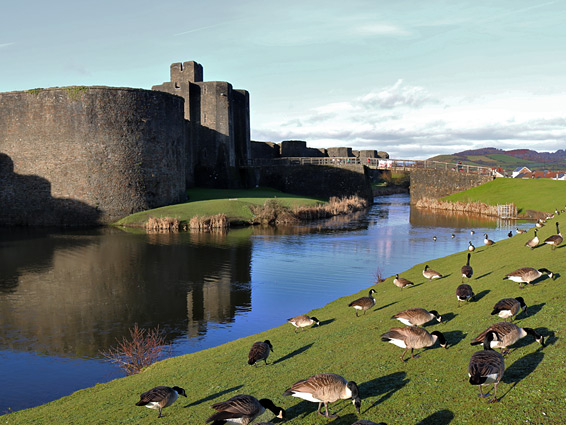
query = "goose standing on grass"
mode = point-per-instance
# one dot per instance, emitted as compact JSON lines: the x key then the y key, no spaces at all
{"x":303,"y":321}
{"x":243,"y":409}
{"x":532,"y":243}
{"x":554,"y":240}
{"x":464,"y":292}
{"x":431,"y":274}
{"x":507,"y":334}
{"x":527,"y":275}
{"x":364,"y":303}
{"x":471,"y":247}
{"x":487,"y":241}
{"x":413,"y":337}
{"x":259,"y":351}
{"x":520,"y":231}
{"x":509,"y":307}
{"x":159,"y":398}
{"x":486,"y":367}
{"x":401,"y":282}
{"x":326,"y":388}
{"x":417,"y":316}
{"x":539,"y":223}
{"x":467,"y":271}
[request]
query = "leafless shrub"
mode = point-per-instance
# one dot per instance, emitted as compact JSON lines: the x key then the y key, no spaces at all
{"x":218,"y":221}
{"x":162,"y":224}
{"x":144,"y":348}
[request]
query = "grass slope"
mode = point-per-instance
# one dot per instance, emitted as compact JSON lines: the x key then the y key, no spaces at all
{"x":234,"y":203}
{"x":431,"y":389}
{"x":538,"y":194}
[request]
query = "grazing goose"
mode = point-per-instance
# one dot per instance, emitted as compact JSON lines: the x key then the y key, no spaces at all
{"x":431,"y":274}
{"x":467,"y":270}
{"x":401,"y":282}
{"x":471,"y":247}
{"x":487,"y":241}
{"x":509,"y":307}
{"x":303,"y":321}
{"x":527,"y":275}
{"x":159,"y":398}
{"x":413,"y":337}
{"x":532,"y":243}
{"x":417,"y":316}
{"x":464,"y":292}
{"x":363,"y":303}
{"x":326,"y":388}
{"x":520,"y":231}
{"x":507,"y":334}
{"x":554,"y":240}
{"x":243,"y":409}
{"x":259,"y":351}
{"x":486,"y":367}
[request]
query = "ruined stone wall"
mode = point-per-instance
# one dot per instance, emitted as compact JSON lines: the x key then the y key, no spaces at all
{"x":89,"y":155}
{"x":429,"y":183}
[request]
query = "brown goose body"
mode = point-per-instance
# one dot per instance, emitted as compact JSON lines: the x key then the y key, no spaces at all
{"x":417,"y":316}
{"x":554,"y":240}
{"x":471,"y":246}
{"x":532,"y":243}
{"x":401,"y":282}
{"x":303,"y":321}
{"x":325,"y":388}
{"x":259,"y":351}
{"x":467,"y":271}
{"x":527,"y":275}
{"x":363,"y":303}
{"x":431,"y":274}
{"x":507,"y":334}
{"x":509,"y":307}
{"x":159,"y":398}
{"x":486,"y":367}
{"x":487,"y":241}
{"x":464,"y":292}
{"x":413,"y":337}
{"x":242,"y":409}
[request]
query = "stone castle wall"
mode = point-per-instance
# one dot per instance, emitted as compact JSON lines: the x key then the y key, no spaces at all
{"x":435,"y":184}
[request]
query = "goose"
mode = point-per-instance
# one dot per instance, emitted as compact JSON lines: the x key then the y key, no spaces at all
{"x":487,"y":241}
{"x":326,"y":388}
{"x":472,"y":233}
{"x":509,"y":307}
{"x":464,"y":292}
{"x":554,"y":240}
{"x":413,"y":337}
{"x":159,"y":398}
{"x":532,"y":243}
{"x":417,"y":316}
{"x":467,"y":270}
{"x":486,"y":367}
{"x":507,"y":334}
{"x":431,"y":274}
{"x":363,"y":303}
{"x":243,"y":409}
{"x":302,"y":321}
{"x":259,"y":351}
{"x":471,"y":247}
{"x":520,"y":231}
{"x":434,"y":238}
{"x":453,"y":236}
{"x":401,"y":282}
{"x":510,"y":234}
{"x":539,"y":223}
{"x":527,"y":275}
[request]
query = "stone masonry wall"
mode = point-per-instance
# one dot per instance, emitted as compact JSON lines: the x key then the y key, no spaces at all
{"x":429,"y":183}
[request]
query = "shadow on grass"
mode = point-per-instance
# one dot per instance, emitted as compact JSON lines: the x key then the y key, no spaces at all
{"x":447,"y":317}
{"x":384,"y":386}
{"x":326,"y":322}
{"x":454,"y":337}
{"x":293,"y":353}
{"x":213,"y":396}
{"x":520,"y":369}
{"x":482,"y":294}
{"x":442,"y":417}
{"x":479,"y":277}
{"x":385,"y":306}
{"x":531,"y":311}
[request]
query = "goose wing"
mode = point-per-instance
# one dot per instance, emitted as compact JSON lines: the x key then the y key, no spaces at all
{"x":155,"y":395}
{"x":238,"y":405}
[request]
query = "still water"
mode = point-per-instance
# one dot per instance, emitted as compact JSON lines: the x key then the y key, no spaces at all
{"x":66,"y":295}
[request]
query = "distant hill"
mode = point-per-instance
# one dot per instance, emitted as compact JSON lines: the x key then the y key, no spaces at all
{"x":509,"y":160}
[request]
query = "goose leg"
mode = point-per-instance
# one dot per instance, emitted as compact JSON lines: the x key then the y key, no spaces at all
{"x":159,"y":416}
{"x":494,"y":399}
{"x":327,"y":414}
{"x":403,"y":355}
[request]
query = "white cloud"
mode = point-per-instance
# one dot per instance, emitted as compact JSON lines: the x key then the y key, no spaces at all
{"x":6,"y":45}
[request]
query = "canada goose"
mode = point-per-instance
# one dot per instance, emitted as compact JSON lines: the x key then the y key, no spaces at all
{"x":467,"y":270}
{"x":434,"y":238}
{"x":413,"y":337}
{"x":534,"y":241}
{"x":510,"y":234}
{"x":259,"y":351}
{"x":472,"y":233}
{"x":363,"y":303}
{"x":464,"y":292}
{"x":487,"y":241}
{"x":520,"y":231}
{"x":326,"y":388}
{"x":527,"y":275}
{"x":486,"y":366}
{"x":302,"y":321}
{"x":401,"y":282}
{"x":243,"y":409}
{"x":431,"y":274}
{"x":160,"y":397}
{"x":539,"y":223}
{"x":471,"y":247}
{"x":417,"y":316}
{"x":453,"y":236}
{"x":554,"y":240}
{"x":507,"y":334}
{"x":509,"y":307}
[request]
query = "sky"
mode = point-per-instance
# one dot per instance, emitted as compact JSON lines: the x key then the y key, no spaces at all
{"x":413,"y":78}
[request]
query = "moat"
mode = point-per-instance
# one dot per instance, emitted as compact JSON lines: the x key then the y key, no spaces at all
{"x":66,"y":295}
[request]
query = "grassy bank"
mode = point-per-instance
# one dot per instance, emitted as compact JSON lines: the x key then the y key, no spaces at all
{"x":433,"y":389}
{"x":538,"y":194}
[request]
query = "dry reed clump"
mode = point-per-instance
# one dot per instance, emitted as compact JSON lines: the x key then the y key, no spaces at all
{"x":335,"y":206}
{"x":272,"y":212}
{"x":162,"y":224}
{"x":467,"y":207}
{"x":215,"y":222}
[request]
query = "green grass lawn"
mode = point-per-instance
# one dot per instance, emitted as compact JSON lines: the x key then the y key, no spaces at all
{"x":432,"y":389}
{"x":235,"y":203}
{"x":538,"y":194}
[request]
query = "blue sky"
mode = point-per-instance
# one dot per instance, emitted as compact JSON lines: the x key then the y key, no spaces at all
{"x":414,"y":78}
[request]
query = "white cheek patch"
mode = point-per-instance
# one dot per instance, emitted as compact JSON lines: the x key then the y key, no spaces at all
{"x":306,"y":396}
{"x":398,"y":343}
